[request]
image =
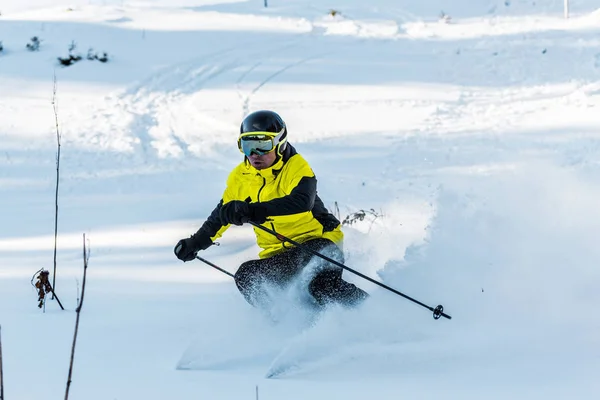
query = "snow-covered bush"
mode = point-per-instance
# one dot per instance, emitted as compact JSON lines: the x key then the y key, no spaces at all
{"x":94,"y":56}
{"x":360,"y":215}
{"x":34,"y":44}
{"x":75,"y":56}
{"x":91,"y":55}
{"x":445,"y":18}
{"x":72,"y":57}
{"x":103,"y":58}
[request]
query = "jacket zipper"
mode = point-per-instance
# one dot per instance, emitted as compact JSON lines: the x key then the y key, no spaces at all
{"x":258,"y":200}
{"x":261,"y":188}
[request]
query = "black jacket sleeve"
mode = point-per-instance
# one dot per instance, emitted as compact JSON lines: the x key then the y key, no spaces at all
{"x":301,"y":199}
{"x":212,"y":224}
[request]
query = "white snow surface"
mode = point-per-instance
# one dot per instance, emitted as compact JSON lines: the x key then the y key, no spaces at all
{"x":474,"y":140}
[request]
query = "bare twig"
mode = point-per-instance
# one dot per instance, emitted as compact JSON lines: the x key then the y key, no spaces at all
{"x":86,"y":257}
{"x":77,"y":283}
{"x":58,"y":136}
{"x":336,"y":211}
{"x":1,"y":379}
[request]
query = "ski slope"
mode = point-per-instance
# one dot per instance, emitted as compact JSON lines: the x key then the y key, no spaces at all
{"x":475,"y":141}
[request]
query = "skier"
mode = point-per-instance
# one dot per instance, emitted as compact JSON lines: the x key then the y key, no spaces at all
{"x":275,"y":186}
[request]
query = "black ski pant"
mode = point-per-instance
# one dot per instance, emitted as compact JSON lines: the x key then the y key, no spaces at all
{"x":325,"y":284}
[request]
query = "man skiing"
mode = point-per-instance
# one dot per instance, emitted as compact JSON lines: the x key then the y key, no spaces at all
{"x":274,"y":186}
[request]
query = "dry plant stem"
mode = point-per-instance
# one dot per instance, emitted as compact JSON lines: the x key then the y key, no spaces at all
{"x":1,"y":378}
{"x":57,"y":299}
{"x":86,"y":257}
{"x":44,"y":287}
{"x":55,"y":107}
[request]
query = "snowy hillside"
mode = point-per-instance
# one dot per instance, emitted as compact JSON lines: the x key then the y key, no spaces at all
{"x":471,"y":128}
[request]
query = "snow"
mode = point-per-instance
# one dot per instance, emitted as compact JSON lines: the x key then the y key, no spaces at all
{"x":475,"y":141}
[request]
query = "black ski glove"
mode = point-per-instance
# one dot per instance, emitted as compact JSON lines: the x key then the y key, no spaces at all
{"x":239,"y":212}
{"x":186,"y":249}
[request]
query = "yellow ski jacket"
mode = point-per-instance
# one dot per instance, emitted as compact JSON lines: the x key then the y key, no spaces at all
{"x":287,"y":194}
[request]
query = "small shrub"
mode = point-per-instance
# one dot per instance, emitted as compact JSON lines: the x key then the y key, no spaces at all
{"x":334,"y":13}
{"x":34,"y":44}
{"x":360,"y":215}
{"x":72,"y":58}
{"x":94,"y":56}
{"x":91,"y":55}
{"x":103,"y":58}
{"x":69,"y":60}
{"x":445,"y":17}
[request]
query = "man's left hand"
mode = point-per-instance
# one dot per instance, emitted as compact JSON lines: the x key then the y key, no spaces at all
{"x":238,"y":212}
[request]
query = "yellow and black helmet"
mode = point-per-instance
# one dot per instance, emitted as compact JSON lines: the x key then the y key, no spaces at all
{"x":262,"y":132}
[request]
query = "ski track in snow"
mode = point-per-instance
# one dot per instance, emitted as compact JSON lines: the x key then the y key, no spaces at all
{"x":248,"y":97}
{"x":148,"y":102}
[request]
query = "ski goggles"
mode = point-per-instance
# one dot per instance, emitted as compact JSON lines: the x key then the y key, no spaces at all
{"x":259,"y":143}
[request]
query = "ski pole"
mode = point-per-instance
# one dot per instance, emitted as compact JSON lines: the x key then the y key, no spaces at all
{"x":437,"y":312}
{"x":214,"y":266}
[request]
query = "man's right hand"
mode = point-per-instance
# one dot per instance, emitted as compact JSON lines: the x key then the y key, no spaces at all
{"x":186,"y":249}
